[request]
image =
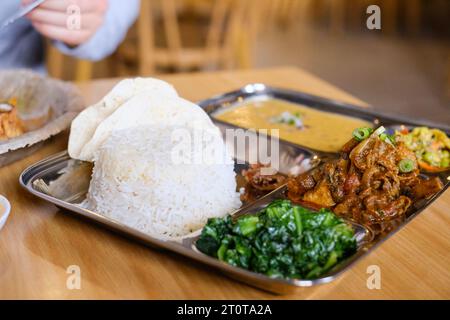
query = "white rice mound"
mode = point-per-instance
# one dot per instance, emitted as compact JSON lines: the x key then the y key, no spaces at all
{"x":136,"y":182}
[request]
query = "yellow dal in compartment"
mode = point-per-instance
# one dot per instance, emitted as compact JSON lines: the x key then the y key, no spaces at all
{"x":323,"y":131}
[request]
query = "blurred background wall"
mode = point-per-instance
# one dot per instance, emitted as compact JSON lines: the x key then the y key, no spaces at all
{"x":403,"y":68}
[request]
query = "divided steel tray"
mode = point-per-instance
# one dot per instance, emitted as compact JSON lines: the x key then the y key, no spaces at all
{"x":70,"y":180}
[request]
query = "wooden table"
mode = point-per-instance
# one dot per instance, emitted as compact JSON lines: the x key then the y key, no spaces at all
{"x":39,"y":243}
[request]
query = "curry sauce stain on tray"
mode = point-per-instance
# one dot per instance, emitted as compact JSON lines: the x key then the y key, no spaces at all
{"x":319,"y":130}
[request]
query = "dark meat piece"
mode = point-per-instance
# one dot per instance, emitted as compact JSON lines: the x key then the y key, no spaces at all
{"x":352,"y":183}
{"x":359,"y":154}
{"x":267,"y":182}
{"x":351,"y":208}
{"x":377,"y":177}
{"x":373,"y":151}
{"x":386,"y":226}
{"x":317,"y":173}
{"x":258,"y":184}
{"x":320,"y":195}
{"x":349,"y":145}
{"x":323,"y":185}
{"x":298,"y":186}
{"x":381,"y":207}
{"x":263,"y":182}
{"x":336,"y":174}
{"x":426,"y":188}
{"x":408,"y":180}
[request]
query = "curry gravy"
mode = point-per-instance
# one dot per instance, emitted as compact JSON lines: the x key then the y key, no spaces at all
{"x":321,"y":130}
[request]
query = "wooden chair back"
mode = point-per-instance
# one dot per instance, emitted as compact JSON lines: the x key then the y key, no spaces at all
{"x":232,"y":25}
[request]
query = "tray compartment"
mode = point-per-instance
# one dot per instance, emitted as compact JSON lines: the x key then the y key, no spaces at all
{"x":257,"y":90}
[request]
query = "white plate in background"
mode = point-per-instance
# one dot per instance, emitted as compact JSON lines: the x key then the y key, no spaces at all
{"x":5,"y":208}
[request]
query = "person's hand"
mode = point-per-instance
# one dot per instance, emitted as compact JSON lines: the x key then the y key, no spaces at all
{"x":52,"y":19}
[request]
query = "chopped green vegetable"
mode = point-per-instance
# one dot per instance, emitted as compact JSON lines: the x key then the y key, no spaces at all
{"x":247,"y":225}
{"x":431,"y":146}
{"x":406,"y":165}
{"x":362,"y":133}
{"x":445,"y":161}
{"x":388,"y":138}
{"x":290,"y":119}
{"x":430,"y":157}
{"x":282,"y":241}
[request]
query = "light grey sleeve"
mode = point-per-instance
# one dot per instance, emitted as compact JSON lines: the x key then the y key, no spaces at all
{"x":119,"y":17}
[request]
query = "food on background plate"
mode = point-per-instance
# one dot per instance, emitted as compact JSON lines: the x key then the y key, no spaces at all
{"x":11,"y":125}
{"x":431,"y":147}
{"x":149,"y":172}
{"x":281,"y":241}
{"x":320,"y":130}
{"x":374,"y":181}
{"x":33,"y":108}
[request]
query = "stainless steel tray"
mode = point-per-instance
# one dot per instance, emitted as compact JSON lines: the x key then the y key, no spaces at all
{"x":63,"y":171}
{"x":62,"y":167}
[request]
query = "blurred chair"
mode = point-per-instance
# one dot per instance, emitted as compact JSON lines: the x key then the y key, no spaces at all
{"x":353,"y":12}
{"x":391,"y":21}
{"x":341,"y":14}
{"x":57,"y":64}
{"x":284,"y":13}
{"x":414,"y":16}
{"x":230,"y":34}
{"x":447,"y":89}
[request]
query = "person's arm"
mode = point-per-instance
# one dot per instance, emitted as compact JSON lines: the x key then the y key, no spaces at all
{"x":104,"y":25}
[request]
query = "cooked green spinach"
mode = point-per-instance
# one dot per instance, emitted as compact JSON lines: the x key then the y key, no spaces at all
{"x":281,"y":241}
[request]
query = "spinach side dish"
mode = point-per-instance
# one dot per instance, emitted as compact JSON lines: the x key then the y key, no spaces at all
{"x":281,"y":241}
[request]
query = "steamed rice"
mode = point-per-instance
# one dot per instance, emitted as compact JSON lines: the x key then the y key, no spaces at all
{"x":136,"y":182}
{"x":129,"y":137}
